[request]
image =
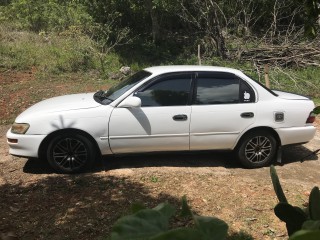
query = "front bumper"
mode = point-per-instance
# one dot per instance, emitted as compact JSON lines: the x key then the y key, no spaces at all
{"x":295,"y":135}
{"x":26,"y":145}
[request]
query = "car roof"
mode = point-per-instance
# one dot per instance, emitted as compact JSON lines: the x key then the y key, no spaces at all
{"x":189,"y":68}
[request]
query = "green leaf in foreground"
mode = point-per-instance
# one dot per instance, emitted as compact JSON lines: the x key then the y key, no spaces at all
{"x":314,"y":204}
{"x":311,"y":225}
{"x":179,"y":234}
{"x":153,"y":224}
{"x":211,"y":228}
{"x":143,"y":224}
{"x":294,"y":217}
{"x":306,"y":235}
{"x":276,"y":185}
{"x":136,"y":207}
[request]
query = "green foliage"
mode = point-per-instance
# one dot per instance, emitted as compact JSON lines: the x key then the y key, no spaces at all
{"x":305,"y":81}
{"x":302,"y":224}
{"x":316,"y":110}
{"x":294,"y":217}
{"x":311,"y":14}
{"x":79,"y":35}
{"x":314,"y":204}
{"x":47,"y":15}
{"x":153,"y":224}
{"x":306,"y":235}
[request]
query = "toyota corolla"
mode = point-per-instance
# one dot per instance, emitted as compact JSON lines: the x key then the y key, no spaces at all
{"x":166,"y":108}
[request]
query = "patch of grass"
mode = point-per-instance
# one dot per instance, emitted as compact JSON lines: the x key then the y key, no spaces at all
{"x":316,"y":101}
{"x":304,"y":81}
{"x":51,"y":53}
{"x":154,"y":179}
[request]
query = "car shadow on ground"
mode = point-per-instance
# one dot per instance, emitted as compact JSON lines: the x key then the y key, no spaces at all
{"x":37,"y":166}
{"x":179,"y":159}
{"x":291,"y":154}
{"x":297,"y":153}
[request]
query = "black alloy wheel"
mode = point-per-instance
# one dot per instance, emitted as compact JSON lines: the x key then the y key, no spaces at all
{"x":70,"y":153}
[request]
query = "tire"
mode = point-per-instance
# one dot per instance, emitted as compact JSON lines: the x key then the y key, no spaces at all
{"x":257,"y":149}
{"x":71,"y":153}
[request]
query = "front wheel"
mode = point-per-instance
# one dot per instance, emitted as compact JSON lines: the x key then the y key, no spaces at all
{"x":257,"y":149}
{"x":70,"y":153}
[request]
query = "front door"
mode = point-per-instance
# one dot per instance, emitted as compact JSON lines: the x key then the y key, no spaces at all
{"x":160,"y":124}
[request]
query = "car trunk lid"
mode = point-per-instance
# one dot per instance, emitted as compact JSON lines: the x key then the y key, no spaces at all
{"x":290,"y":96}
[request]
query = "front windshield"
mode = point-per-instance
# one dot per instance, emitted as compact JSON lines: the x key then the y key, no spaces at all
{"x":117,"y":90}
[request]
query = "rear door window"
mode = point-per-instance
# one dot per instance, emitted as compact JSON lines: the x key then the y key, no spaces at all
{"x":222,"y":88}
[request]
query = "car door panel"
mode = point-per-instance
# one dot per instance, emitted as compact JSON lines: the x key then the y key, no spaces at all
{"x":149,"y":129}
{"x":160,"y":124}
{"x":223,"y":107}
{"x":218,"y":126}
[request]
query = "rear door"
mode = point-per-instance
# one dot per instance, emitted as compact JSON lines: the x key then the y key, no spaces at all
{"x":223,"y":107}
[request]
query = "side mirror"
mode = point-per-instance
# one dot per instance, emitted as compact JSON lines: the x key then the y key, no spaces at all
{"x":130,"y":102}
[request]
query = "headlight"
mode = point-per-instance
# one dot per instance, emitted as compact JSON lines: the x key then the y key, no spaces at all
{"x":20,"y":128}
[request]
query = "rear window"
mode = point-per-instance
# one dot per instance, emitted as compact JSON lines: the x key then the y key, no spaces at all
{"x":268,"y":89}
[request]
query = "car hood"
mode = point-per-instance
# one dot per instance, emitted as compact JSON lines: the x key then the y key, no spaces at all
{"x":290,"y":96}
{"x":62,"y":103}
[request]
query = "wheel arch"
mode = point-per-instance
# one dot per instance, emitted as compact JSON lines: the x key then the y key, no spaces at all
{"x":44,"y":144}
{"x":261,"y":128}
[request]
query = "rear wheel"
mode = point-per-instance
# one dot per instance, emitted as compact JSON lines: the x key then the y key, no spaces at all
{"x":257,"y":149}
{"x":70,"y":153}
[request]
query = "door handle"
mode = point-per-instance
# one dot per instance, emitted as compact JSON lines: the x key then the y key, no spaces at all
{"x":180,"y":117}
{"x":247,"y":115}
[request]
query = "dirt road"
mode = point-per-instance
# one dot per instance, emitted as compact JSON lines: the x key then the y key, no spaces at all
{"x":36,"y":203}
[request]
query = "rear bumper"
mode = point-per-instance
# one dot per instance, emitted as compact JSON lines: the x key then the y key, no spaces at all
{"x":295,"y":135}
{"x":26,"y":145}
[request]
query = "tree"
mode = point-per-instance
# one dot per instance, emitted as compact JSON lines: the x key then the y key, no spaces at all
{"x":205,"y":16}
{"x":312,"y":17}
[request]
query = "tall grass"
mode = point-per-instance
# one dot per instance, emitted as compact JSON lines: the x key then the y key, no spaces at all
{"x":52,"y":53}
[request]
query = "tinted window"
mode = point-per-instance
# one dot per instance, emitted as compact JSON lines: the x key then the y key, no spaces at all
{"x":217,"y":89}
{"x":247,"y":94}
{"x":263,"y":86}
{"x":168,"y":91}
{"x":119,"y":89}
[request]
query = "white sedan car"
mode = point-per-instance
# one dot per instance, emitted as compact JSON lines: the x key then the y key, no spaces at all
{"x":166,"y":108}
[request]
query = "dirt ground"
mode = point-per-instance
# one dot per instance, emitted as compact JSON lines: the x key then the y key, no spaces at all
{"x":36,"y":203}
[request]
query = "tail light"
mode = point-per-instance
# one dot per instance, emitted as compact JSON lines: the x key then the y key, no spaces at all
{"x":311,"y":118}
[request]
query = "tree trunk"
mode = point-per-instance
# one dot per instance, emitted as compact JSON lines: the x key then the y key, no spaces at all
{"x":217,"y":35}
{"x":154,"y":20}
